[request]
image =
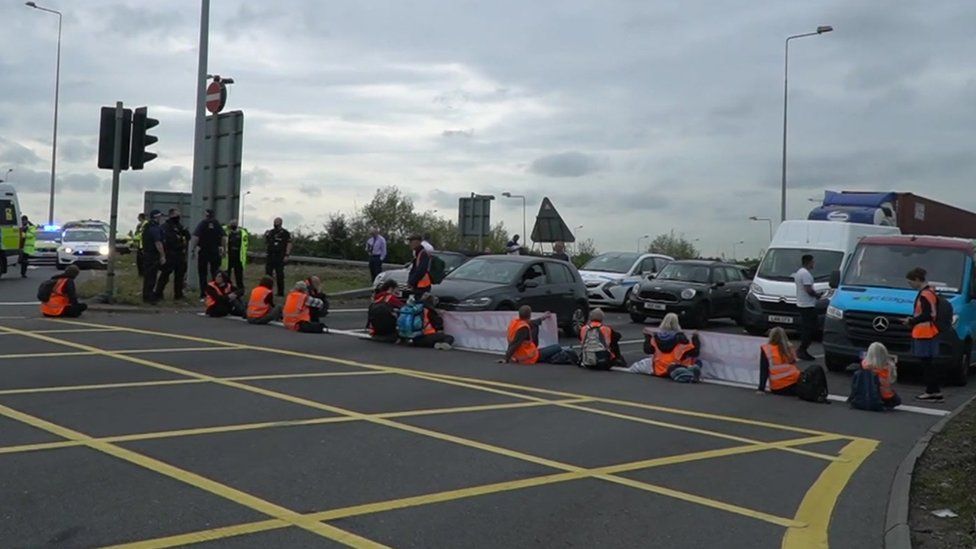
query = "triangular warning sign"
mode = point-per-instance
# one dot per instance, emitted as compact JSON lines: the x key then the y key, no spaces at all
{"x":549,"y":226}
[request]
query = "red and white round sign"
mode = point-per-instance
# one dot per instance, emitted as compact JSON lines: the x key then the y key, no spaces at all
{"x":216,"y":97}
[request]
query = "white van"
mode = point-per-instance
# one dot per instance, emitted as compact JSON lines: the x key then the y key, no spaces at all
{"x":772,"y":298}
{"x":9,"y":228}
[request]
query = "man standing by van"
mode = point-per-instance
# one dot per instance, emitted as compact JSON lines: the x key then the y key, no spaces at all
{"x":806,"y":301}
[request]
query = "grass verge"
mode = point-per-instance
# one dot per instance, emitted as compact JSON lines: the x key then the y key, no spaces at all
{"x":945,"y":478}
{"x":128,"y":285}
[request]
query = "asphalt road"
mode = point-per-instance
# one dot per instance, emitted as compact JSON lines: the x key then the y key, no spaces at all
{"x":178,"y":429}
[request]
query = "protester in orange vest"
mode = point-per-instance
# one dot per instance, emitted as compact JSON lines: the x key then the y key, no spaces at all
{"x":381,"y":318}
{"x":297,"y":315}
{"x":261,"y":308}
{"x":523,"y":339}
{"x":672,"y":353}
{"x":419,"y":278}
{"x":882,"y":364}
{"x":599,"y":344}
{"x":777,"y":365}
{"x":63,"y":301}
{"x":433,"y":335}
{"x":222,"y":299}
{"x":925,"y":335}
{"x":314,"y":285}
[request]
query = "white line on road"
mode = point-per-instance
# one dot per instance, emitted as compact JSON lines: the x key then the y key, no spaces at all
{"x":19,"y":303}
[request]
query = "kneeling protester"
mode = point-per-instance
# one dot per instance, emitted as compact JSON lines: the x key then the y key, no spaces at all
{"x":297,"y":314}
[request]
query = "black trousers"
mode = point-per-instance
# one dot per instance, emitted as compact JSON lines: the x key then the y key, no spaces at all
{"x":175,"y":266}
{"x":275,"y":264}
{"x":808,"y":327}
{"x":226,"y":307}
{"x":208,"y":263}
{"x":150,"y":274}
{"x":236,"y":269}
{"x":375,"y":267}
{"x":23,"y":264}
{"x":73,"y":311}
{"x":311,"y":327}
{"x":932,"y":370}
{"x":140,"y":259}
{"x":431,"y":339}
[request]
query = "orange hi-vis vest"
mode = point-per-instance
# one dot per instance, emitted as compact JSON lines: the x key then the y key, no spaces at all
{"x":428,"y":325}
{"x":528,"y":351}
{"x":425,"y":282}
{"x":662,"y":361}
{"x":58,"y":302}
{"x":210,"y":301}
{"x":258,"y":306}
{"x":926,"y":330}
{"x":296,"y":310}
{"x":604,"y":330}
{"x":382,"y":297}
{"x":782,"y":371}
{"x":884,"y":379}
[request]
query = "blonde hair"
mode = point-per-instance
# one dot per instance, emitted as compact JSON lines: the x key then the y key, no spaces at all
{"x":670,"y":323}
{"x":779,"y":339}
{"x":878,"y":357}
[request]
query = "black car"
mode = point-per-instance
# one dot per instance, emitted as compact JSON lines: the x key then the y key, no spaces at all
{"x":695,"y":290}
{"x":506,"y":282}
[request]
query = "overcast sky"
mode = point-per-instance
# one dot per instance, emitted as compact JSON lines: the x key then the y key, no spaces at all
{"x":634,"y":117}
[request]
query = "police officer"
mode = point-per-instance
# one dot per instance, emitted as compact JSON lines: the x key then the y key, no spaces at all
{"x":236,"y":257}
{"x":175,"y":241}
{"x":208,"y":242}
{"x":137,"y":241}
{"x":278,"y":241}
{"x":28,"y":237}
{"x":153,"y":256}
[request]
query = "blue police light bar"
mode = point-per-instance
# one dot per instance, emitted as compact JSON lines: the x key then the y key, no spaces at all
{"x":52,"y":227}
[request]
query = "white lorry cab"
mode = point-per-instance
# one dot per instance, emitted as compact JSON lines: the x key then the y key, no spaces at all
{"x":772,"y":297}
{"x":9,"y":228}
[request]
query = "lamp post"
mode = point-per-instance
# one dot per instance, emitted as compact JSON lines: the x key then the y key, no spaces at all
{"x":734,"y":244}
{"x":6,"y":176}
{"x":57,"y":88}
{"x":768,"y":220}
{"x":639,"y":241}
{"x":786,"y":76}
{"x":243,"y":198}
{"x":510,"y":195}
{"x":576,"y":235}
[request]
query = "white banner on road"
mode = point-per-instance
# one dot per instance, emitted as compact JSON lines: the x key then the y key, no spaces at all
{"x":728,"y":357}
{"x":488,"y":331}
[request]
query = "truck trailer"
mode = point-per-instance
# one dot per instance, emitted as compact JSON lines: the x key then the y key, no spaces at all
{"x":909,"y":212}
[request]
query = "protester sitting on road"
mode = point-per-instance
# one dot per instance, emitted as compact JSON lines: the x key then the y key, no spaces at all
{"x":63,"y":298}
{"x":432,"y":331}
{"x":672,"y":353}
{"x":222,"y":299}
{"x":381,"y":319}
{"x":261,"y":308}
{"x":297,"y":314}
{"x":777,"y":364}
{"x":599,"y":344}
{"x":882,"y":364}
{"x":314,"y":285}
{"x":523,"y":339}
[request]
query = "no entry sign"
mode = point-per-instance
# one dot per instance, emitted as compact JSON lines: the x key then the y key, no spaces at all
{"x":216,"y":96}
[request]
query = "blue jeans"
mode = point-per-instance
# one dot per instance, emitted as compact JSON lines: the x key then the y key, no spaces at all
{"x":546,"y":353}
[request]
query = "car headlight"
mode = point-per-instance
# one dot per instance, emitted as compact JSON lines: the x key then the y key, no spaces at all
{"x":67,"y":250}
{"x":834,"y":312}
{"x":611,"y":285}
{"x":475,"y":302}
{"x":756,"y":289}
{"x":103,"y":249}
{"x":688,"y":293}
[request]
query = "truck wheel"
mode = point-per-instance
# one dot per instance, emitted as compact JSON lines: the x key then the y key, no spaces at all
{"x":836,"y":363}
{"x":960,"y":371}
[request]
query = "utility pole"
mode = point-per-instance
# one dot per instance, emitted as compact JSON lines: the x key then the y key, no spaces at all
{"x":197,"y":205}
{"x":113,"y":220}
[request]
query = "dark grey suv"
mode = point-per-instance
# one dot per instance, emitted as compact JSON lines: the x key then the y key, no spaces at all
{"x":695,"y":290}
{"x":506,"y":282}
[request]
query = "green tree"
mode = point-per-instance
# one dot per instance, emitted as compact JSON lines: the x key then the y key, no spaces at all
{"x":585,"y":251}
{"x":676,"y":246}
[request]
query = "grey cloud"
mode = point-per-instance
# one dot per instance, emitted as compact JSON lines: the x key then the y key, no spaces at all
{"x":14,"y":153}
{"x":567,"y":164}
{"x":442,"y":199}
{"x":462,"y":134}
{"x":310,"y":190}
{"x":255,"y":177}
{"x":78,"y":150}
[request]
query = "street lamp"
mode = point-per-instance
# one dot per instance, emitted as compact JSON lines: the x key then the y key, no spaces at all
{"x":639,"y":241}
{"x":57,"y":88}
{"x":6,"y":176}
{"x":243,"y":198}
{"x":786,"y":74}
{"x":768,"y":220}
{"x":510,"y":195}
{"x":734,"y":244}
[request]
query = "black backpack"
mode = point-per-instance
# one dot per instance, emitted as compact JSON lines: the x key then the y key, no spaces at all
{"x":943,"y":317}
{"x":381,"y":319}
{"x":866,"y":392}
{"x":812,"y":385}
{"x":437,"y":268}
{"x":45,"y":290}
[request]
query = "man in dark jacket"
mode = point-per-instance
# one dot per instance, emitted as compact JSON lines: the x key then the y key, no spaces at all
{"x":419,"y":279}
{"x":208,"y":243}
{"x":278,"y":243}
{"x":175,"y":240}
{"x":153,"y":256}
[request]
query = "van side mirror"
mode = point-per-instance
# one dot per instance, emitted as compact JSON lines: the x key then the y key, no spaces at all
{"x":834,"y":280}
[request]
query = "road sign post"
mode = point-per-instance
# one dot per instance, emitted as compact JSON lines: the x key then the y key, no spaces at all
{"x":474,"y":217}
{"x":113,"y":220}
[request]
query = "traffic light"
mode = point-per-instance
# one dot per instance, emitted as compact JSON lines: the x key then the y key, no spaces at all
{"x":140,"y":139}
{"x":106,"y":138}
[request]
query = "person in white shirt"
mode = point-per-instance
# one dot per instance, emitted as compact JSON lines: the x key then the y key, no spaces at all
{"x":426,"y":243}
{"x":512,"y":247}
{"x":806,"y":301}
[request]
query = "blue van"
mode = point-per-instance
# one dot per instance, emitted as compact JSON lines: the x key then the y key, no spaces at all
{"x":871,"y":298}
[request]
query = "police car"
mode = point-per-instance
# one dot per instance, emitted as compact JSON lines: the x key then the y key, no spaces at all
{"x":85,"y":246}
{"x":610,"y":277}
{"x":46,"y":245}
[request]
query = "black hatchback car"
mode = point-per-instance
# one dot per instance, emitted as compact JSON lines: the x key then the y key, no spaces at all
{"x":506,"y":282}
{"x":695,"y":290}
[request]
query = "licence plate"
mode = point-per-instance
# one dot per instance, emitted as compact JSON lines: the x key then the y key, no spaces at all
{"x":656,"y":306}
{"x":781,"y":319}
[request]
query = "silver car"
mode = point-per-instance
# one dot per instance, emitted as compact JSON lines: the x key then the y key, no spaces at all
{"x":611,"y":277}
{"x":452,"y":260}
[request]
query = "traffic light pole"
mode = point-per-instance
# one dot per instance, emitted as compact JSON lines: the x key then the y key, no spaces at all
{"x":114,"y":215}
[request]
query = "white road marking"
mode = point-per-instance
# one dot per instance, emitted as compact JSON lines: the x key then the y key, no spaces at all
{"x":20,"y":303}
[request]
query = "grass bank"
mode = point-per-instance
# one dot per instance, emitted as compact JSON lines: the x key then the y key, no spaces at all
{"x":129,"y":286}
{"x":945,"y":478}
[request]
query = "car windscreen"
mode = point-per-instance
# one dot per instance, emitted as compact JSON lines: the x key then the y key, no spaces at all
{"x":684,"y":272}
{"x":782,"y":263}
{"x":485,"y":270}
{"x":886,"y":266}
{"x":611,"y":262}
{"x":85,"y":235}
{"x":49,"y":236}
{"x":451,"y":261}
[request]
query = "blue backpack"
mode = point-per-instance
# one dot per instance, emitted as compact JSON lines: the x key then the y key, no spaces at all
{"x":866,"y":391}
{"x":410,"y":323}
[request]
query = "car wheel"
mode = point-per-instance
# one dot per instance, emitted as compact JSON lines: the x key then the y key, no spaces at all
{"x":960,"y":373}
{"x":625,"y":305}
{"x":836,"y":363}
{"x":637,"y":319}
{"x":576,"y":322}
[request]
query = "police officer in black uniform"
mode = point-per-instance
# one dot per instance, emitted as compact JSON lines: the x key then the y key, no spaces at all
{"x":175,"y":241}
{"x":208,"y":242}
{"x":278,"y":242}
{"x":153,"y":255}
